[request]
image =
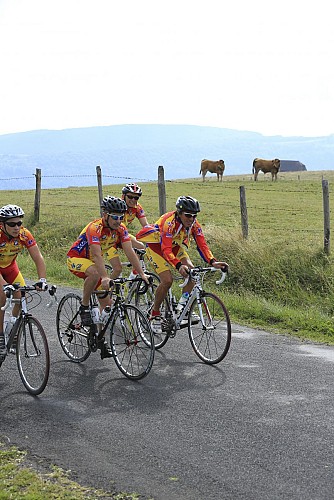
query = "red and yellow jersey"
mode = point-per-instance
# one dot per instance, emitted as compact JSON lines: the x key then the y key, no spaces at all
{"x":132,"y":213}
{"x":95,"y":233}
{"x":11,"y":247}
{"x":169,"y":232}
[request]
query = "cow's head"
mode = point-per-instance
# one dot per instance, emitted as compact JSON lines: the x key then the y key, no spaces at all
{"x":277,"y":163}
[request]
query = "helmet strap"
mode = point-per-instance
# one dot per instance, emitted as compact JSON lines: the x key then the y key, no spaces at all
{"x":4,"y":230}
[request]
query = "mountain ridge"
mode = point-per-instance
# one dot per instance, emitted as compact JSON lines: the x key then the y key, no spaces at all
{"x":136,"y":151}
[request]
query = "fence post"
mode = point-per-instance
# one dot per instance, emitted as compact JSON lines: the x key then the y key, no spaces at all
{"x":99,"y":185}
{"x":37,"y":194}
{"x":161,"y":190}
{"x":327,"y":230}
{"x":244,"y":216}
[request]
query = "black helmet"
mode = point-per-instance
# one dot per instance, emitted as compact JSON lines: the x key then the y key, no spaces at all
{"x":112,"y":204}
{"x":187,"y":204}
{"x":10,"y":211}
{"x":132,"y":188}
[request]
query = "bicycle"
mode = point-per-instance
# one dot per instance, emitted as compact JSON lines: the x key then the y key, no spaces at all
{"x":138,"y":292}
{"x":131,"y":337}
{"x":209,"y":328}
{"x":27,"y":339}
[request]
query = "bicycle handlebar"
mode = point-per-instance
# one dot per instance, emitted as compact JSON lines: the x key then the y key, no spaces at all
{"x":198,"y":270}
{"x":27,"y":288}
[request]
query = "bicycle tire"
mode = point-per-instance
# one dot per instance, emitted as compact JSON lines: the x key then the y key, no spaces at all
{"x":71,"y":335}
{"x":32,"y":355}
{"x":132,"y":354}
{"x":144,"y":301}
{"x":212,"y":340}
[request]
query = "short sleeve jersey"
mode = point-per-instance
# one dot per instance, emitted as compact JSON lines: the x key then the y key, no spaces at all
{"x":11,"y":247}
{"x":132,"y":213}
{"x":95,"y":233}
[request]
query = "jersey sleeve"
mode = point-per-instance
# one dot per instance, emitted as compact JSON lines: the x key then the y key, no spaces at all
{"x":201,"y":243}
{"x":123,"y":234}
{"x":93,"y":233}
{"x":27,"y":238}
{"x":140,"y":212}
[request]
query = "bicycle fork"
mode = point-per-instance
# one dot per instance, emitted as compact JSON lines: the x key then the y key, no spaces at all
{"x":207,"y":325}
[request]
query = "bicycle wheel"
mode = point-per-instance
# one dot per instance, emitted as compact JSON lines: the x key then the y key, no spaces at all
{"x":211,"y":338}
{"x":72,"y":336}
{"x":144,"y":299}
{"x":128,"y":328}
{"x":32,"y":355}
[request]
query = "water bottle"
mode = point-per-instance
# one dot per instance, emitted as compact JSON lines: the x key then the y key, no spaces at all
{"x":8,"y":327}
{"x":95,"y":313}
{"x":182,"y":302}
{"x":133,"y":275}
{"x":105,"y":314}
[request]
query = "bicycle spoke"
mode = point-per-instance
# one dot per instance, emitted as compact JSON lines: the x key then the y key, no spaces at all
{"x":132,"y":354}
{"x":72,"y":336}
{"x":211,"y":336}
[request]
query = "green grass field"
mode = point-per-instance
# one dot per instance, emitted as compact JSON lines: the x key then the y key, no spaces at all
{"x":280,"y":278}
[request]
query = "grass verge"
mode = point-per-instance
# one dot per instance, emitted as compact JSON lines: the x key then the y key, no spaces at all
{"x":20,"y":480}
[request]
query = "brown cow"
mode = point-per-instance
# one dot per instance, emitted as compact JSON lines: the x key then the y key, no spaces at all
{"x":215,"y":167}
{"x":266,"y":166}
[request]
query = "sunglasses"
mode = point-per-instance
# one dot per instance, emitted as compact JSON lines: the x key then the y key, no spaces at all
{"x":116,"y":217}
{"x":13,"y":224}
{"x":133,"y":197}
{"x":189,"y":215}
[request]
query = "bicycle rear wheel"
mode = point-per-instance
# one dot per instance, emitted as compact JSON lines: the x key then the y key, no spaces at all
{"x":72,"y":336}
{"x":133,"y":355}
{"x":211,"y":337}
{"x":32,"y":356}
{"x":144,"y":298}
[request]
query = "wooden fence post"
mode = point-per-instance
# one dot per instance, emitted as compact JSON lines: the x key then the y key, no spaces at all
{"x":243,"y":209}
{"x":99,"y":185}
{"x":327,"y":230}
{"x":37,"y":194}
{"x":161,"y":190}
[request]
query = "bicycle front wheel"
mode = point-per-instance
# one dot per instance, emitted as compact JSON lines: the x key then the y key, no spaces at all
{"x":72,"y":336}
{"x":131,"y":341}
{"x":209,"y":328}
{"x":32,"y":355}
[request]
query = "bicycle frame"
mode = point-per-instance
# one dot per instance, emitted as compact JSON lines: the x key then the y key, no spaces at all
{"x":196,"y":274}
{"x":120,"y":299}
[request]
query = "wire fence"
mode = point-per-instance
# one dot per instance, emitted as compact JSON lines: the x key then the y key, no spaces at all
{"x":262,"y":212}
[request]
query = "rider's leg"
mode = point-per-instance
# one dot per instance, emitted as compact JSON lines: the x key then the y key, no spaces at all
{"x":166,"y":281}
{"x":116,"y":265}
{"x":90,"y":283}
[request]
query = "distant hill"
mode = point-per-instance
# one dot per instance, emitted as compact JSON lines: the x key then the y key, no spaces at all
{"x":69,"y":157}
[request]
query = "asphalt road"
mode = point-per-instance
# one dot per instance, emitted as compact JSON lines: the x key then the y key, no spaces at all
{"x":257,"y":426}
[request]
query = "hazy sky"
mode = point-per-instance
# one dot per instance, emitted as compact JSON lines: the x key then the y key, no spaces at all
{"x":252,"y":65}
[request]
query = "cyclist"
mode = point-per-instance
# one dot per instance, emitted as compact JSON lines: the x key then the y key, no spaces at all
{"x":101,"y":237}
{"x":130,"y":194}
{"x":13,"y":239}
{"x":165,"y":242}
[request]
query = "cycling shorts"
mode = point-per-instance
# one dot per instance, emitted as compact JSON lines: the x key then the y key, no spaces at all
{"x":78,"y":266}
{"x":11,"y":274}
{"x":158,"y":261}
